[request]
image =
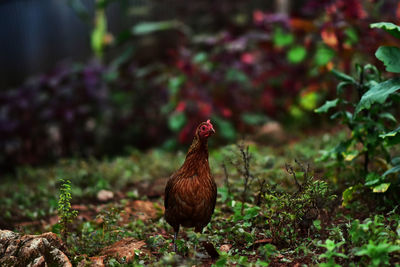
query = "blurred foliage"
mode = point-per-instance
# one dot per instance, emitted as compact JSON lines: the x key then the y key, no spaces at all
{"x":367,"y":106}
{"x":239,"y":65}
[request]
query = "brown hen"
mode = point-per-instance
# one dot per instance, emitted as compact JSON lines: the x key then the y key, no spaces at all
{"x":191,"y":192}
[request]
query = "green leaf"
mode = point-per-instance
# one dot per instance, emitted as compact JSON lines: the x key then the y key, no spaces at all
{"x":372,"y":179}
{"x":328,"y":105}
{"x":382,"y":188}
{"x":350,"y":155}
{"x":390,"y":56}
{"x":175,"y":83}
{"x":352,"y":36}
{"x":391,"y":28}
{"x":395,"y":169}
{"x":282,"y":39}
{"x":348,"y":194}
{"x":378,"y":94}
{"x":200,"y":57}
{"x":100,"y":30}
{"x":296,"y":54}
{"x":390,"y":134}
{"x":317,"y":224}
{"x":177,"y":121}
{"x":323,"y":55}
{"x":342,"y":76}
{"x":388,"y":116}
{"x":309,"y":100}
{"x":122,"y":58}
{"x":151,"y":27}
{"x":296,"y":112}
{"x":396,"y":161}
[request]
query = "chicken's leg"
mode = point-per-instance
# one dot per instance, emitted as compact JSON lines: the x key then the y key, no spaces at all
{"x":198,"y":239}
{"x":176,"y":231}
{"x":197,"y":235}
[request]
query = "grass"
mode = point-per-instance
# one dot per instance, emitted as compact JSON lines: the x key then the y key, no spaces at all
{"x":266,"y":213}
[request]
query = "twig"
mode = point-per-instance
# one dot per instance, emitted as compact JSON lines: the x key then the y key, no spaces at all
{"x":261,"y":191}
{"x":290,"y":170}
{"x":226,"y":180}
{"x":246,"y":157}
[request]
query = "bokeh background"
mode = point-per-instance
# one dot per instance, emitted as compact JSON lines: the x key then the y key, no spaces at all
{"x":98,"y":78}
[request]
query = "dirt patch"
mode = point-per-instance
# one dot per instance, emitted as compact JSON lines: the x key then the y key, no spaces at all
{"x":142,"y":210}
{"x":123,"y":250}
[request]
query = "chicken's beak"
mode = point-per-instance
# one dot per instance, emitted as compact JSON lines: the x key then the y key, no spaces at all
{"x":212,"y":130}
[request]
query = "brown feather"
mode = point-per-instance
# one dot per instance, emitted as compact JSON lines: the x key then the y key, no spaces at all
{"x":191,"y":192}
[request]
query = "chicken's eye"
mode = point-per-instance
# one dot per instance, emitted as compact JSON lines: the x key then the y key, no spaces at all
{"x":203,"y":128}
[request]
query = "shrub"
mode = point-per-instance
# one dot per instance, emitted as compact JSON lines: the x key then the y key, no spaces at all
{"x":369,"y":113}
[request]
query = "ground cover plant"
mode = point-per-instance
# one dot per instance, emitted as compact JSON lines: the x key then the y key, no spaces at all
{"x":285,"y":212}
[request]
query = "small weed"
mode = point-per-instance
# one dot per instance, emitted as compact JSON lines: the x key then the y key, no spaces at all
{"x":290,"y":214}
{"x":66,"y":214}
{"x":94,"y":236}
{"x":332,"y":252}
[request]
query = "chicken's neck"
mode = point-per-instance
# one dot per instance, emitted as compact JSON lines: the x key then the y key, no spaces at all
{"x":197,"y":157}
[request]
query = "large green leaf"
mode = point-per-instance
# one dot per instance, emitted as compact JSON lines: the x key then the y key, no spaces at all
{"x":390,"y":56}
{"x":378,"y":94}
{"x":391,"y":28}
{"x":328,"y":105}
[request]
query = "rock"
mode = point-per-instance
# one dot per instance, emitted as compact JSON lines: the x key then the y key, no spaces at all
{"x":105,"y":195}
{"x":32,"y":250}
{"x":270,"y":133}
{"x":225,"y":247}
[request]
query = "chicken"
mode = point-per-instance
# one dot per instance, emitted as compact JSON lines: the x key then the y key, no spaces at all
{"x":191,"y":192}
